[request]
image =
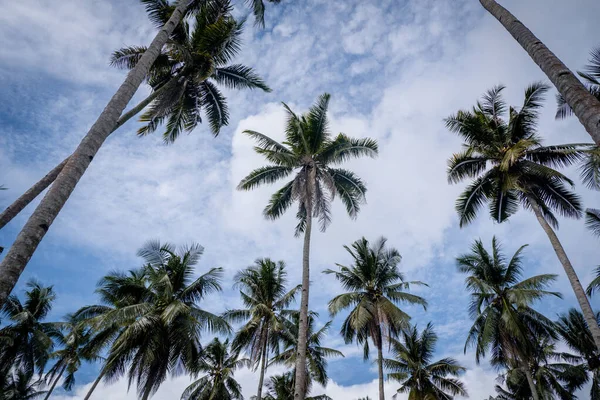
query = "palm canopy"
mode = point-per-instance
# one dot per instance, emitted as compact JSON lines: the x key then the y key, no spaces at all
{"x":27,"y":340}
{"x":266,"y":298}
{"x":218,"y":364}
{"x":310,"y":152}
{"x":189,"y":69}
{"x":592,"y":219}
{"x":576,"y":334}
{"x":375,"y":286}
{"x":507,"y":162}
{"x":413,"y":367}
{"x":281,"y":387}
{"x":504,"y":322}
{"x":19,"y":385}
{"x":316,"y":354}
{"x":158,"y":333}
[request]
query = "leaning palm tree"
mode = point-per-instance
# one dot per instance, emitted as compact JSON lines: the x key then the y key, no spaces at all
{"x":375,"y":286}
{"x":310,"y":153}
{"x":575,"y":332}
{"x":584,"y":105}
{"x":75,"y":342}
{"x":510,"y":167}
{"x":413,"y":368}
{"x":19,"y":385}
{"x":184,"y":79}
{"x":39,"y":222}
{"x":218,"y":365}
{"x":505,"y":324}
{"x":27,"y":340}
{"x":281,"y":387}
{"x":266,"y":298}
{"x":316,"y":354}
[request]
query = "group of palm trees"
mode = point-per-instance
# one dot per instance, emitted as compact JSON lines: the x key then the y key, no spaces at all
{"x":149,"y":322}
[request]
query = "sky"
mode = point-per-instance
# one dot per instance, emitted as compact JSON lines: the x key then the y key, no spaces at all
{"x":395,"y":70}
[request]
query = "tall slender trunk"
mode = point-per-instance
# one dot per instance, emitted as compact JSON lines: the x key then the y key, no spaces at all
{"x":530,"y":381}
{"x":38,"y":224}
{"x":18,"y":205}
{"x":584,"y":302}
{"x":263,"y":362}
{"x":585,"y":106}
{"x":62,"y":371}
{"x":300,"y":382}
{"x":380,"y":362}
{"x":96,"y":382}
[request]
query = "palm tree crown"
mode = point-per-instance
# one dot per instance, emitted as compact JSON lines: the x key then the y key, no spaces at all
{"x":309,"y":151}
{"x":194,"y":61}
{"x":508,"y":163}
{"x":412,"y":366}
{"x":281,"y":387}
{"x":218,"y":365}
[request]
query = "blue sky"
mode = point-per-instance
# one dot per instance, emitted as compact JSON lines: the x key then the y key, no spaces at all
{"x":395,"y":69}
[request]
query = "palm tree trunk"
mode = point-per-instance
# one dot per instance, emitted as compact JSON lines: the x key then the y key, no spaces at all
{"x":585,"y":106}
{"x":584,"y":302}
{"x":38,"y":224}
{"x":380,"y":362}
{"x":534,"y":392}
{"x":96,"y":382}
{"x":300,"y":382}
{"x":18,"y":205}
{"x":263,"y":366}
{"x":62,"y":371}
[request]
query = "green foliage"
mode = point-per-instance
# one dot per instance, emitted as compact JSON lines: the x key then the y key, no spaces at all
{"x":19,"y":385}
{"x":413,"y":368}
{"x":374,"y":287}
{"x":281,"y":387}
{"x":309,"y":152}
{"x":507,"y":163}
{"x":592,"y":219}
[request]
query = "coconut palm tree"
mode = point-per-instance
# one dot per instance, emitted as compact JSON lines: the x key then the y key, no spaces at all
{"x":374,"y":287}
{"x":161,"y":334}
{"x":413,"y":368}
{"x":316,"y":355}
{"x":504,"y":322}
{"x":575,"y":333}
{"x":184,"y":79}
{"x":266,"y":298}
{"x":218,"y":365}
{"x":27,"y":340}
{"x":310,"y":153}
{"x":19,"y":385}
{"x":584,"y":105}
{"x":281,"y":387}
{"x":510,"y":166}
{"x":75,"y":341}
{"x":39,"y":222}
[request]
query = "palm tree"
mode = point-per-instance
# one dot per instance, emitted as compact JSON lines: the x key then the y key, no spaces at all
{"x":375,"y":287}
{"x":316,"y":355}
{"x":281,"y":387}
{"x":576,"y":334}
{"x":310,"y":152}
{"x":504,"y":322}
{"x":75,"y":342}
{"x":413,"y":368}
{"x":161,"y":334}
{"x":219,"y":366}
{"x":509,"y":166}
{"x":18,"y":385}
{"x":592,"y":217}
{"x":184,"y":80}
{"x":584,"y":105}
{"x":266,"y":298}
{"x":27,"y":339}
{"x":39,"y":222}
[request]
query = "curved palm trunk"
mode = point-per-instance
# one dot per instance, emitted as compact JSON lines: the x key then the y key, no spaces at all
{"x":18,"y":205}
{"x":263,"y":366}
{"x":62,"y":371}
{"x":380,"y":362}
{"x":534,"y":392}
{"x":38,"y":224}
{"x":300,"y":382}
{"x":584,"y":105}
{"x":584,"y":302}
{"x":96,"y":382}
